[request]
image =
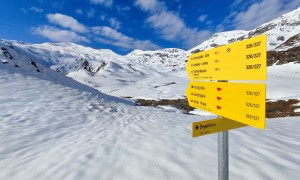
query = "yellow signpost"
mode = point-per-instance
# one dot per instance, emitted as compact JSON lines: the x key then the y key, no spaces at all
{"x":243,"y":60}
{"x":241,"y":102}
{"x":202,"y":128}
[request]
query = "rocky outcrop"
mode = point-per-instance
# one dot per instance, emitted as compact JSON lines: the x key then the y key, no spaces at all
{"x":283,"y":57}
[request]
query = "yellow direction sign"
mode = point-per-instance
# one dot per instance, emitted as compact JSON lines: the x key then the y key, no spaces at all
{"x":202,"y":128}
{"x":243,"y":60}
{"x":241,"y":102}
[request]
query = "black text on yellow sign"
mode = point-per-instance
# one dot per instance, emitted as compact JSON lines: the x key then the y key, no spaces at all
{"x":243,"y":60}
{"x":241,"y":102}
{"x":202,"y":128}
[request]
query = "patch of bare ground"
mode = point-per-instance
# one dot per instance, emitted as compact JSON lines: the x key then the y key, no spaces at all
{"x":181,"y":104}
{"x":280,"y":108}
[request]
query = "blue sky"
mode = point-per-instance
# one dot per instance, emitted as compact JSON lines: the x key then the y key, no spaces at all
{"x":124,"y":25}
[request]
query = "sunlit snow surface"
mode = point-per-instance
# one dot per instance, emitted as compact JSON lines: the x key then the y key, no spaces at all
{"x":52,"y":131}
{"x":283,"y":81}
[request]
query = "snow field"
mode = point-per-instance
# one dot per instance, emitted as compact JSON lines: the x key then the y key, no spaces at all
{"x":51,"y":131}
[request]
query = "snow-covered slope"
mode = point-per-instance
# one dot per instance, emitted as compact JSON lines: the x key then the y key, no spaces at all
{"x":278,"y":32}
{"x":68,"y":57}
{"x":280,"y":29}
{"x":140,"y":74}
{"x":52,"y":131}
{"x":16,"y":60}
{"x":219,"y":39}
{"x":171,"y":59}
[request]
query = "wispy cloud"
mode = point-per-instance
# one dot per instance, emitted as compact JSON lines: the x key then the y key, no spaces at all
{"x":67,"y":22}
{"x":202,"y":18}
{"x":122,"y":9}
{"x":78,"y":32}
{"x":169,"y":25}
{"x":38,"y":10}
{"x":114,"y":23}
{"x":107,"y":3}
{"x":103,"y":17}
{"x":107,"y":35}
{"x":23,"y":10}
{"x":91,"y":13}
{"x":59,"y":35}
{"x":260,"y":12}
{"x":150,"y":5}
{"x":79,"y":11}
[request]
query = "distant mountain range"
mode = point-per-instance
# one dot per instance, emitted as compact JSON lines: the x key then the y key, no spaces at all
{"x":112,"y":73}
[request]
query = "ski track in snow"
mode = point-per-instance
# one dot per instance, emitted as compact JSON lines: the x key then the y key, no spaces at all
{"x":50,"y":131}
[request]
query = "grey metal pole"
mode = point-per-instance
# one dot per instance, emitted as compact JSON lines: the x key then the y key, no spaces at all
{"x":223,"y":165}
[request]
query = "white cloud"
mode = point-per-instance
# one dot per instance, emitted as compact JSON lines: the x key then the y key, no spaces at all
{"x":107,"y":35}
{"x":241,"y":4}
{"x":150,"y":5}
{"x":102,"y":34}
{"x":59,"y":35}
{"x":114,"y":23}
{"x":208,"y":22}
{"x":107,"y":3}
{"x":170,"y":26}
{"x":38,"y":10}
{"x":262,"y":12}
{"x":79,"y":11}
{"x":102,"y":17}
{"x":122,"y":8}
{"x":23,"y":10}
{"x":220,"y":28}
{"x":202,"y":18}
{"x":91,"y":13}
{"x":67,"y":22}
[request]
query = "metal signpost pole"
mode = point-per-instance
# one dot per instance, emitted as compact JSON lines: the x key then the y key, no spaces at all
{"x":223,"y":165}
{"x":223,"y":160}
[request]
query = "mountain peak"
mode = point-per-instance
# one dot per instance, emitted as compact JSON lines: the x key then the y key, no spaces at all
{"x":278,"y":31}
{"x":219,"y":39}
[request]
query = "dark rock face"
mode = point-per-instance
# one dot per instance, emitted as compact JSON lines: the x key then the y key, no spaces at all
{"x":103,"y":64}
{"x":283,"y":57}
{"x":86,"y":65}
{"x":34,"y":64}
{"x":261,"y":30}
{"x":290,"y":42}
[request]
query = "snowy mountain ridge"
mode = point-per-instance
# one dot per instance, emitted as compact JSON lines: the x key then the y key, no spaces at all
{"x":278,"y":32}
{"x":156,"y":74}
{"x":68,"y":57}
{"x":105,"y":70}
